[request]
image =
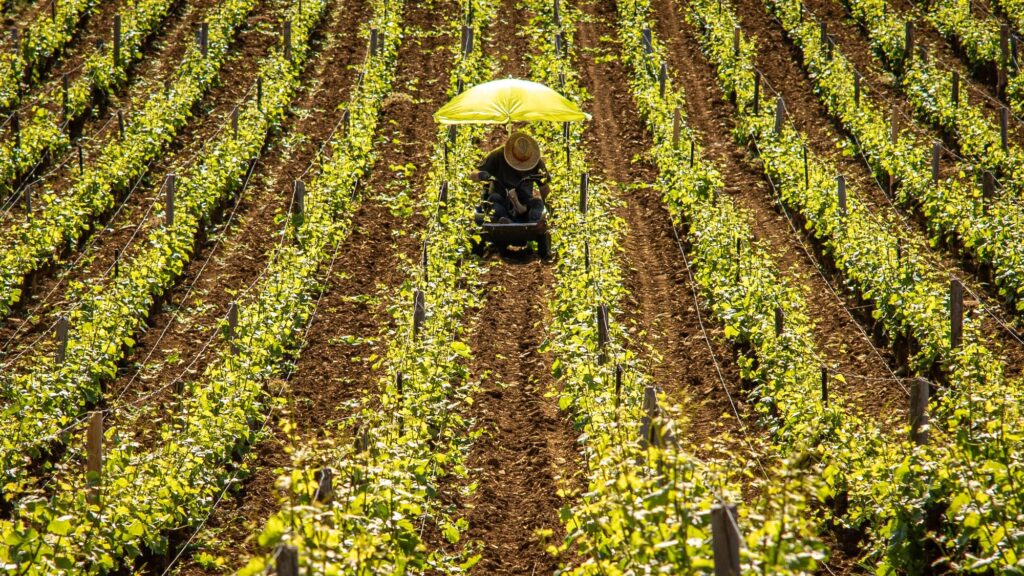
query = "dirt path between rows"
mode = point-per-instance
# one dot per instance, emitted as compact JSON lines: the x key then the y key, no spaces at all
{"x":332,"y":370}
{"x":842,"y":340}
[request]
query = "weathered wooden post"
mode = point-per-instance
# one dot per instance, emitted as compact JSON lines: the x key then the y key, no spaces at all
{"x":81,"y":161}
{"x":94,"y":457}
{"x":807,"y":171}
{"x":955,"y":91}
{"x":725,"y":540}
{"x":649,"y":434}
{"x":117,"y":40}
{"x":780,"y":111}
{"x":988,"y":185}
{"x":856,"y":88}
{"x":467,"y":40}
{"x":780,"y":321}
{"x":735,"y":40}
{"x":373,"y":41}
{"x":299,"y":197}
{"x":120,"y":124}
{"x":324,"y":478}
{"x":956,"y":313}
{"x":233,"y":327}
{"x":584,"y":191}
{"x":919,"y":393}
{"x":662,"y":80}
{"x":824,"y":386}
{"x":169,"y":199}
{"x":259,"y":93}
{"x":286,"y":38}
{"x":618,"y":386}
{"x":204,"y":39}
{"x":419,"y":311}
{"x":648,"y":44}
{"x":287,"y":560}
{"x":602,"y":333}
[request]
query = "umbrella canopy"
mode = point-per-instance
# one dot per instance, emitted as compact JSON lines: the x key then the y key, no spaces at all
{"x":509,"y":100}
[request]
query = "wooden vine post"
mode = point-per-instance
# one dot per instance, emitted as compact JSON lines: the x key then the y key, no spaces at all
{"x":780,"y":321}
{"x":419,"y":311}
{"x":233,"y":327}
{"x":287,"y":560}
{"x":649,"y":433}
{"x":120,"y":124}
{"x":757,"y":93}
{"x":956,"y":313}
{"x":373,"y":41}
{"x":299,"y":196}
{"x":647,"y":42}
{"x":725,"y":540}
{"x":856,"y":88}
{"x":286,"y":38}
{"x":780,"y":111}
{"x":204,"y":39}
{"x":919,"y":393}
{"x":169,"y":199}
{"x":824,"y":386}
{"x":988,"y":185}
{"x":94,"y":456}
{"x":259,"y":93}
{"x":60,"y":353}
{"x":584,"y":192}
{"x":324,"y":478}
{"x":618,"y":386}
{"x":467,"y":40}
{"x":117,"y":41}
{"x":602,"y":333}
{"x":955,"y":90}
{"x":662,"y":80}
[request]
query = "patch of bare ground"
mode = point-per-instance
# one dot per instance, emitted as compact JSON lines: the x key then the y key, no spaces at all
{"x":697,"y":373}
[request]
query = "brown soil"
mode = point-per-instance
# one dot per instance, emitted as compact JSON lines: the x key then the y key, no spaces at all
{"x":331,"y":373}
{"x":125,"y":230}
{"x":661,"y":300}
{"x":235,"y":255}
{"x":842,"y":341}
{"x":527,"y":451}
{"x":778,"y":60}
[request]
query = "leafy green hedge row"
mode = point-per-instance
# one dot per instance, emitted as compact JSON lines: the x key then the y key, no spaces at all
{"x":44,"y":39}
{"x":107,"y":316}
{"x":66,"y":217}
{"x":43,"y":133}
{"x":645,"y":509}
{"x":965,"y":476}
{"x":148,"y":491}
{"x":929,"y":90}
{"x":410,"y":435}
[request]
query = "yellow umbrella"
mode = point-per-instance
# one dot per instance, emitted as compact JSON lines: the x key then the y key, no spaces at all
{"x":509,"y":100}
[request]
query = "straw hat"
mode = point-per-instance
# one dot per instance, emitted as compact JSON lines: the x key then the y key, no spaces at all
{"x":522,"y":152}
